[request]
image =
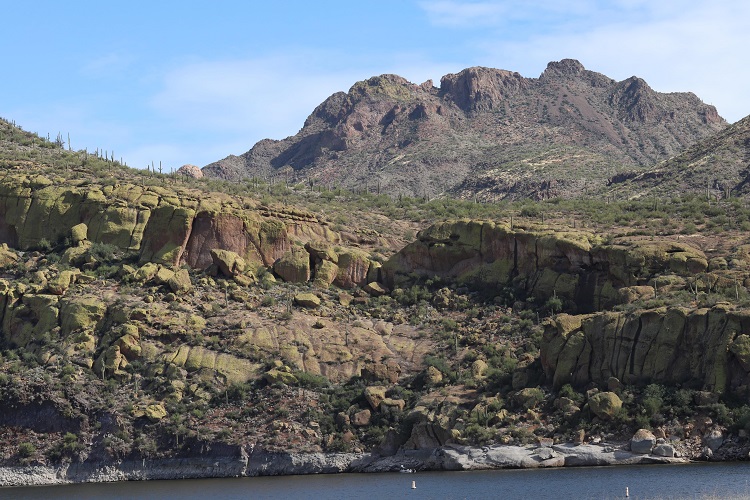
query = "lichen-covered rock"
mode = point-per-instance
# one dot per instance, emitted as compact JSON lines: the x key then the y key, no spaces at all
{"x":573,"y":265}
{"x":375,"y":394}
{"x":308,"y":300}
{"x":433,"y":375}
{"x":605,"y":405}
{"x":79,"y":233}
{"x":81,"y":314}
{"x":60,"y":284}
{"x":294,"y":266}
{"x":180,"y":282}
{"x":163,"y":275}
{"x":664,"y":345}
{"x":229,"y":263}
{"x":479,"y":368}
{"x":146,"y":272}
{"x":275,"y":376}
{"x":231,"y":368}
{"x":375,"y":289}
{"x":325,"y":274}
{"x":29,"y":319}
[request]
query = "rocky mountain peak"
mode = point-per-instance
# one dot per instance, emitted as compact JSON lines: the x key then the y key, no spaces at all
{"x":568,"y":67}
{"x":481,"y":89}
{"x":484,"y":131}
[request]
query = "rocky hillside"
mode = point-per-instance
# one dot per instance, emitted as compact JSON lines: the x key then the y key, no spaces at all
{"x":149,"y":316}
{"x":716,"y":167}
{"x":484,"y":132}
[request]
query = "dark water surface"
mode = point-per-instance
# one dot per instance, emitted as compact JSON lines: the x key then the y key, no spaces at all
{"x":715,"y":481}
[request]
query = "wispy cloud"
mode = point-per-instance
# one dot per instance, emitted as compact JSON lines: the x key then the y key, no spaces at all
{"x":107,"y":65}
{"x":673,"y":45}
{"x":462,"y":14}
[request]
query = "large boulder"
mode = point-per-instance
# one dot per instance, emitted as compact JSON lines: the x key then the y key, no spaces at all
{"x":228,"y":262}
{"x":294,"y":266}
{"x":375,"y":394}
{"x":605,"y":405}
{"x":361,"y":418}
{"x":79,"y":233}
{"x":643,"y":441}
{"x":307,"y":300}
{"x":180,"y":282}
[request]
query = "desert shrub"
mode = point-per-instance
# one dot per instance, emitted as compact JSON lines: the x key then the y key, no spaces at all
{"x":311,"y":381}
{"x":26,"y":450}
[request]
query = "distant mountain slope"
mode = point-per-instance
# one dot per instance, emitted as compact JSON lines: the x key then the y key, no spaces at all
{"x":719,"y":165}
{"x":484,"y":132}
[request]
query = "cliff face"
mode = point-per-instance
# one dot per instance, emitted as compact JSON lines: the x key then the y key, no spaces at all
{"x":173,"y":228}
{"x":703,"y":348}
{"x":698,"y":348}
{"x":484,"y":132}
{"x":162,"y":225}
{"x":576,"y":266}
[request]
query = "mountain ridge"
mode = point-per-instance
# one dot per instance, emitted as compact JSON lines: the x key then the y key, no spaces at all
{"x":484,"y":132}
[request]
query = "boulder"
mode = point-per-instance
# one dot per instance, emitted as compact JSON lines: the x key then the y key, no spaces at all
{"x":361,"y":418}
{"x":180,"y":282}
{"x":325,"y":273}
{"x":478,"y":368}
{"x":663,"y":450}
{"x":643,"y":441}
{"x":229,"y":263}
{"x":146,"y":272}
{"x":163,"y":275}
{"x":375,"y":394}
{"x":192,"y":171}
{"x":375,"y":289}
{"x":714,"y":439}
{"x":7,"y":256}
{"x":60,"y":284}
{"x":433,"y":375}
{"x":391,"y":404}
{"x":307,"y":300}
{"x":80,"y":314}
{"x":293,"y":266}
{"x":605,"y":405}
{"x":274,"y":375}
{"x":79,"y":233}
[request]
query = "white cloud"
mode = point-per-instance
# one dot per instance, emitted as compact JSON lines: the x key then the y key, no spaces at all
{"x":689,"y":46}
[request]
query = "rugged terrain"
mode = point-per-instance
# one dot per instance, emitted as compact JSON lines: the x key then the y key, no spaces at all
{"x":715,"y":167}
{"x":160,"y":317}
{"x":485,"y":133}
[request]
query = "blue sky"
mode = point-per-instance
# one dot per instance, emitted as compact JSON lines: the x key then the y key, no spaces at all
{"x":192,"y":82}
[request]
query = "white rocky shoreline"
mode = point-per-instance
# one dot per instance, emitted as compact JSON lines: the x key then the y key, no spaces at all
{"x":262,"y":463}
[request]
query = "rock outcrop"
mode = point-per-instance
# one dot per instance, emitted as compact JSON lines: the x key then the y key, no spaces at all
{"x":174,"y":228}
{"x":699,"y":347}
{"x":576,"y":266}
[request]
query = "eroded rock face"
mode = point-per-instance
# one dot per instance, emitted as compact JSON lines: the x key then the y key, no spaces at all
{"x":575,"y":266}
{"x":665,"y":345}
{"x":171,"y":228}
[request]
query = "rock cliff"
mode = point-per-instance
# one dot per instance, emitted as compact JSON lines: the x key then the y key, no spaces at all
{"x":585,"y":272}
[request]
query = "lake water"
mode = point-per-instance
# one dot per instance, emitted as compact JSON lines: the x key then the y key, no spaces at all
{"x":714,"y":481}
